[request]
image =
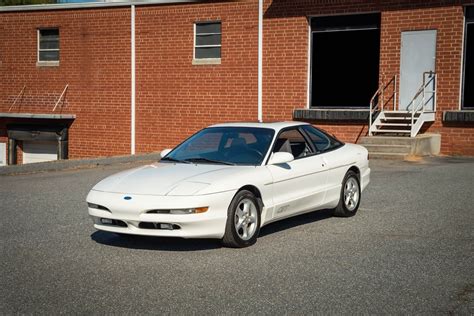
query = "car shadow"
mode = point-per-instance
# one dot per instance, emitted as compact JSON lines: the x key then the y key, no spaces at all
{"x":154,"y":243}
{"x":296,"y":221}
{"x":180,"y":244}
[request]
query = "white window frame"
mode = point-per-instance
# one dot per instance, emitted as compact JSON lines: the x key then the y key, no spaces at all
{"x":46,"y":62}
{"x":206,"y":61}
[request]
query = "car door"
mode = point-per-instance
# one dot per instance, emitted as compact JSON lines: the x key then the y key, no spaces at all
{"x":336,"y":163}
{"x":299,"y":185}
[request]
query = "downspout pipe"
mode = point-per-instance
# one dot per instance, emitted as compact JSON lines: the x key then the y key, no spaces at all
{"x":132,"y":110}
{"x":260,"y":60}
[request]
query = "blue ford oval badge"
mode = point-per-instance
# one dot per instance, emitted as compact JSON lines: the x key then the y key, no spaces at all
{"x":127,"y":198}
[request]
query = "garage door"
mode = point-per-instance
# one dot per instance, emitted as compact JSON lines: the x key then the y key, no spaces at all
{"x":38,"y":151}
{"x":3,"y":154}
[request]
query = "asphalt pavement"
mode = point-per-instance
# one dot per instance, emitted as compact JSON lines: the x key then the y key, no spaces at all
{"x":409,"y":250}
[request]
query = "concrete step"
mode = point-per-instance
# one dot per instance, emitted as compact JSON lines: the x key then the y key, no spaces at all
{"x":394,"y":124}
{"x":395,"y":131}
{"x":388,"y":149}
{"x":386,"y":140}
{"x":398,"y":147}
{"x":397,"y":119}
{"x":392,"y":156}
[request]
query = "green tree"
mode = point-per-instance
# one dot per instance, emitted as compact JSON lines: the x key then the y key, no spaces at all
{"x":24,"y":2}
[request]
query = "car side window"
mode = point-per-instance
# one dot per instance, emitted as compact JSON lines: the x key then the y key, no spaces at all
{"x":293,"y":142}
{"x":320,"y":140}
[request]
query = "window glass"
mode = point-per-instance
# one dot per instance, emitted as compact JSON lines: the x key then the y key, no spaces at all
{"x":226,"y":145}
{"x":292,"y":141}
{"x":208,"y":40}
{"x":321,"y":140}
{"x":48,"y":48}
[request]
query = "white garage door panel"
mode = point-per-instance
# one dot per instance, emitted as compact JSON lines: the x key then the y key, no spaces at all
{"x":3,"y":154}
{"x":39,"y":151}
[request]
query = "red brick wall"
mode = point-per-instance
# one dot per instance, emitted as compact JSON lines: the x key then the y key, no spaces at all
{"x":448,"y":21}
{"x":176,"y":98}
{"x":94,"y":61}
{"x":286,"y":58}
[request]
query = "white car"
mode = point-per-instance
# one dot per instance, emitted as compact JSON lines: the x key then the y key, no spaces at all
{"x":228,"y":180}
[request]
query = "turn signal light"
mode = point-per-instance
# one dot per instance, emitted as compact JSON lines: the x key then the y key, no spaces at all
{"x":201,"y":209}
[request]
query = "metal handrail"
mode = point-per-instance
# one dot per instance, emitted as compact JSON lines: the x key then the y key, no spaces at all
{"x":420,"y":107}
{"x":17,"y":97}
{"x":375,"y":100}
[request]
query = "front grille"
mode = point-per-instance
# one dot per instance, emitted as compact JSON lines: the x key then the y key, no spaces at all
{"x":164,"y":226}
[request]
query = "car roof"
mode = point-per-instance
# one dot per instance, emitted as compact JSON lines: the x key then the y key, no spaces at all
{"x":271,"y":125}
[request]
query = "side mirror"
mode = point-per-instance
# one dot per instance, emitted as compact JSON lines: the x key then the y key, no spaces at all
{"x":280,"y":157}
{"x":165,"y":152}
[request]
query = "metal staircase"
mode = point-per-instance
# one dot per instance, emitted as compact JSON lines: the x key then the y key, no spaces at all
{"x":383,"y":121}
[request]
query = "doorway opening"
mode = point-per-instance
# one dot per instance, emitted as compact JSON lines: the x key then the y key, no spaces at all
{"x":344,"y":60}
{"x":468,"y":74}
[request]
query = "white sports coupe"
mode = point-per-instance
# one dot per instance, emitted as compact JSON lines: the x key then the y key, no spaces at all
{"x":228,"y":180}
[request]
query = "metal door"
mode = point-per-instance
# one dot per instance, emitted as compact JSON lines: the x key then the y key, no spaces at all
{"x":418,"y":56}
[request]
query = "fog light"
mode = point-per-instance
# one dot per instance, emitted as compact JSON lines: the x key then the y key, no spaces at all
{"x":106,"y":221}
{"x":166,"y":226}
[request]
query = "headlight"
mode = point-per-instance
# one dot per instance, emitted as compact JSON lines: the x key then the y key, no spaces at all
{"x":195,"y":210}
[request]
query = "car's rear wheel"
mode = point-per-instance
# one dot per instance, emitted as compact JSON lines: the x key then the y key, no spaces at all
{"x":243,"y":221}
{"x":350,"y":196}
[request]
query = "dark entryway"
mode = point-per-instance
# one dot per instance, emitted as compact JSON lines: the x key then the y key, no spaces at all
{"x":468,"y":85}
{"x":33,"y":135}
{"x":345,"y":60}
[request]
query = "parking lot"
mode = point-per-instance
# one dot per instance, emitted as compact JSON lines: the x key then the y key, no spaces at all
{"x":410,"y":249}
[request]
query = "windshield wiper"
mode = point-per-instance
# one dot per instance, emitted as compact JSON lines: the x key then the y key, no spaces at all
{"x":174,"y":160}
{"x":201,"y":159}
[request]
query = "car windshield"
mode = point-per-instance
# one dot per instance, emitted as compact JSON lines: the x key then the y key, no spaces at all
{"x":224,"y":145}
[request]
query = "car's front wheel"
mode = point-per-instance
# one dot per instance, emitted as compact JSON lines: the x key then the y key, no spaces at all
{"x":350,"y":196}
{"x":243,"y":221}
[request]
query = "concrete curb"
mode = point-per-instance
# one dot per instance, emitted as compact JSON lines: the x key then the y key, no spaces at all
{"x":75,"y":164}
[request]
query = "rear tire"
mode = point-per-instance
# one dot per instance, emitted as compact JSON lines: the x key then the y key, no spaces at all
{"x":243,"y":221}
{"x":350,"y":196}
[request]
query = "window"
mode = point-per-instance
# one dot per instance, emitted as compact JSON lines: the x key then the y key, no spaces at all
{"x":293,"y":142}
{"x":344,"y":60}
{"x":207,"y":41}
{"x":468,"y":74}
{"x":320,"y":140}
{"x":224,"y":145}
{"x":48,"y":46}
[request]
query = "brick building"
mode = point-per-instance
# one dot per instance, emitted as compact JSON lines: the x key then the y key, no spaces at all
{"x":114,"y":78}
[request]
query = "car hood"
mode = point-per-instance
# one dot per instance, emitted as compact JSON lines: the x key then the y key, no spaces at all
{"x":165,"y":179}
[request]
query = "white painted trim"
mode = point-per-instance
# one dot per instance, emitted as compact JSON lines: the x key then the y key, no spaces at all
{"x":260,"y":61}
{"x":207,"y":61}
{"x":308,"y":92}
{"x":463,"y":52}
{"x":194,"y":40}
{"x":37,"y":45}
{"x":87,"y":5}
{"x":132,"y":119}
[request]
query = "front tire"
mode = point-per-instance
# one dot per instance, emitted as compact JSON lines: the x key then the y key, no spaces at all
{"x":243,"y":221}
{"x":350,"y":196}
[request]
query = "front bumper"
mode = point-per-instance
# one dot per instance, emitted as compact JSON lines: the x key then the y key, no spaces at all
{"x":132,"y":213}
